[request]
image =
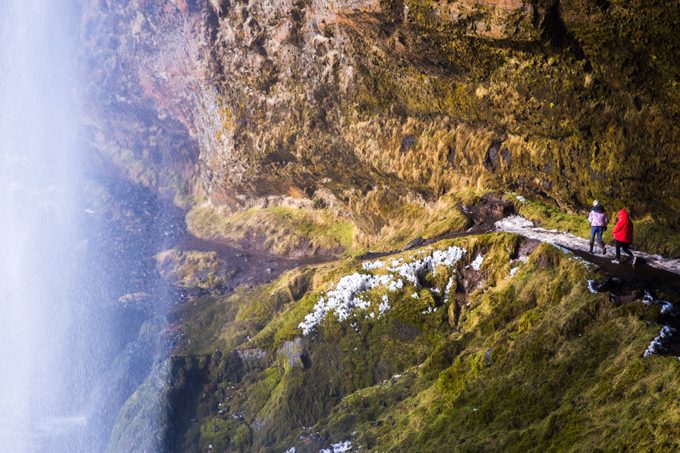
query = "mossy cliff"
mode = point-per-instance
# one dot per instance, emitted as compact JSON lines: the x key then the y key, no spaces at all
{"x":509,"y":351}
{"x":362,"y":104}
{"x":317,"y":131}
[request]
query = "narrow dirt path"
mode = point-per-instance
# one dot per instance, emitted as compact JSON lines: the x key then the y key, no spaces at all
{"x":524,"y":227}
{"x":652,"y":276}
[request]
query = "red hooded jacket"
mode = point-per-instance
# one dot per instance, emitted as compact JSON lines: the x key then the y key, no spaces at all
{"x":623,"y":230}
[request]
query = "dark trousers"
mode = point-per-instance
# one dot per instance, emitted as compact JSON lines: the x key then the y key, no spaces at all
{"x":622,"y":245}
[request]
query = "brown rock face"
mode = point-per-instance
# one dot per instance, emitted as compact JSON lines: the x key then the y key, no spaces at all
{"x":143,"y":63}
{"x":232,"y":100}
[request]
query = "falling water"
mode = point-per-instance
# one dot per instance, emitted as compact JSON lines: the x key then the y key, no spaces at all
{"x":71,"y":353}
{"x":42,"y":375}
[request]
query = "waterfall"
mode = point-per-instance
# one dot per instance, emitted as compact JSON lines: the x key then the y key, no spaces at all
{"x":44,"y":376}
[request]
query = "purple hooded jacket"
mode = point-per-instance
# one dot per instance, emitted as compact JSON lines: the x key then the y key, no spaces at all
{"x":597,"y":217}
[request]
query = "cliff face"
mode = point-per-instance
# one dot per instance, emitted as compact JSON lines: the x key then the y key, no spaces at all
{"x":347,"y":101}
{"x":317,"y":129}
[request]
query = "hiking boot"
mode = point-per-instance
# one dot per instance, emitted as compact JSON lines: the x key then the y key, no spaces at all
{"x":604,"y":250}
{"x":616,"y":262}
{"x":591,"y":247}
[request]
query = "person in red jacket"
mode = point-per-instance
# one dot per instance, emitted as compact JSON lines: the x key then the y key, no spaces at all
{"x":623,"y":235}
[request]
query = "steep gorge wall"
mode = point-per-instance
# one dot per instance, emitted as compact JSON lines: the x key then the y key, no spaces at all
{"x":302,"y":112}
{"x":348,"y":101}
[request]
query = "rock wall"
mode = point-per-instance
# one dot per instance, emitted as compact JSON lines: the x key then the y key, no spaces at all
{"x":231,"y":100}
{"x":321,"y":127}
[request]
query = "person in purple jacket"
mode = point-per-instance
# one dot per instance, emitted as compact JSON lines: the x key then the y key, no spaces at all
{"x":598,"y":223}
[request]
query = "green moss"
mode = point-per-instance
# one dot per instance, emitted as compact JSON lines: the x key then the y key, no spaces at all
{"x":281,"y":229}
{"x":549,"y":367}
{"x":193,"y":269}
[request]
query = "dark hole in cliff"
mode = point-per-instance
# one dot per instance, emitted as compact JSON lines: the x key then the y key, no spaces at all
{"x":603,"y":5}
{"x":306,"y":361}
{"x":224,"y":8}
{"x":393,"y":9}
{"x":587,"y":67}
{"x":297,"y":14}
{"x":554,"y":29}
{"x":270,"y":76}
{"x":491,"y":160}
{"x":586,"y":132}
{"x":451,"y":156}
{"x":637,"y":102}
{"x":407,"y":143}
{"x":258,"y":45}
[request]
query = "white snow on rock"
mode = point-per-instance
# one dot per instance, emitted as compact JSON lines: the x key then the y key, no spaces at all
{"x":395,"y":285}
{"x":656,"y":345}
{"x":477,"y":263}
{"x":340,"y":447}
{"x":370,"y":265}
{"x":290,"y":450}
{"x":414,"y":270}
{"x":447,"y":290}
{"x":384,"y":305}
{"x":346,"y":297}
{"x":666,"y":307}
{"x":592,"y":286}
{"x":524,"y":227}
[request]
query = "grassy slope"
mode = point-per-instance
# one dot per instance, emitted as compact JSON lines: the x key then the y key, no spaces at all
{"x":534,"y":361}
{"x":282,"y":229}
{"x":379,"y":222}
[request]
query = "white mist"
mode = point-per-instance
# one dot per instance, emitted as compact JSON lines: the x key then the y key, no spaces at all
{"x":39,"y":237}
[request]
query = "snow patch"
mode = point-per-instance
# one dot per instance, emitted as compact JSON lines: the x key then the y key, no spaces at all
{"x":477,"y":263}
{"x":521,"y":199}
{"x":414,"y":296}
{"x":368,"y":266}
{"x":384,"y":305}
{"x":447,"y":290}
{"x":346,"y":297}
{"x":666,"y":307}
{"x":340,"y":447}
{"x":592,"y":286}
{"x":657,"y":346}
{"x":514,"y":222}
{"x":414,"y":270}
